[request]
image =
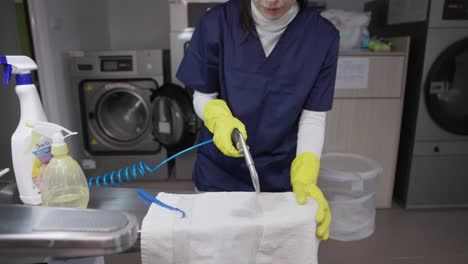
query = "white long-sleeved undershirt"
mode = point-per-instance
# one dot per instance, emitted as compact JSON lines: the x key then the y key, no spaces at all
{"x":311,"y":132}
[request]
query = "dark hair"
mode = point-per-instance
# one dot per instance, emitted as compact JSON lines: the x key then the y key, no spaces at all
{"x":247,"y":20}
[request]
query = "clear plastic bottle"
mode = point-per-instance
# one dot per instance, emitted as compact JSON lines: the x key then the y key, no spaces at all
{"x":63,"y":181}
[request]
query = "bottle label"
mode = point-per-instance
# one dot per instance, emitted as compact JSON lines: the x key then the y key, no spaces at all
{"x":43,"y":154}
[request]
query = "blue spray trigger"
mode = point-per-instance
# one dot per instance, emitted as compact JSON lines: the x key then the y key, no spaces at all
{"x":7,"y":74}
{"x":6,"y":70}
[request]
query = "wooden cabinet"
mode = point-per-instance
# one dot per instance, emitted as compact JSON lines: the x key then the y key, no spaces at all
{"x":367,"y":121}
{"x":385,"y":77}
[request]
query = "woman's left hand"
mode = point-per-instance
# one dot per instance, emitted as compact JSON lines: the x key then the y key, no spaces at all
{"x":304,"y":174}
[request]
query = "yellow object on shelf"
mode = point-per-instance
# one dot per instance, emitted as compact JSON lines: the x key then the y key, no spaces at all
{"x":377,"y":45}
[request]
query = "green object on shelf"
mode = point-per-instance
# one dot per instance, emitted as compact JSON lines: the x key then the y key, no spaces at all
{"x":379,"y":45}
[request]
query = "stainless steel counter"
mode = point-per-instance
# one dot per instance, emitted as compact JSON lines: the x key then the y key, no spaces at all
{"x":121,"y":200}
{"x":117,"y":199}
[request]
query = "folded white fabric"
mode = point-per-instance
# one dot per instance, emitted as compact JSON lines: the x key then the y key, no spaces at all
{"x":230,"y":227}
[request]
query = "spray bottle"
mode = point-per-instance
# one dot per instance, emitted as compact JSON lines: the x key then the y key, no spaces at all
{"x":63,"y":182}
{"x":31,"y":109}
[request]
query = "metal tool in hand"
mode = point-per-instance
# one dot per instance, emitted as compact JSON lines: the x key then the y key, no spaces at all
{"x":242,"y":147}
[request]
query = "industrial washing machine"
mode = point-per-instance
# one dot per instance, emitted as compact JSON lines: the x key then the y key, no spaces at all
{"x":125,"y":113}
{"x":432,"y":165}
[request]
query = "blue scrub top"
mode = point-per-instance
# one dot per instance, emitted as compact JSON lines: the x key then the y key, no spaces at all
{"x":267,"y":94}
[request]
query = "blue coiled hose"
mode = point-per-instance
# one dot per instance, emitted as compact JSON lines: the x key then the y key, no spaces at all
{"x":138,"y":168}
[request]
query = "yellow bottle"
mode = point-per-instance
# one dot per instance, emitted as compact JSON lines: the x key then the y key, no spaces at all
{"x":63,"y":181}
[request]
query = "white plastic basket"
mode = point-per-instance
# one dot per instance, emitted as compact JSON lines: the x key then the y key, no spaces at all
{"x":348,"y":181}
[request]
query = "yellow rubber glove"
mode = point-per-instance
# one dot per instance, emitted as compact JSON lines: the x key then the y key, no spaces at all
{"x":220,"y":121}
{"x":304,"y":174}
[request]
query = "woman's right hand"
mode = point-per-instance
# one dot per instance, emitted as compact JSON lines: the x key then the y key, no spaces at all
{"x":220,"y":121}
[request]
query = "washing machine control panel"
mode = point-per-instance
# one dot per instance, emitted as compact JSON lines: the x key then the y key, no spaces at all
{"x":455,"y":10}
{"x":116,"y":64}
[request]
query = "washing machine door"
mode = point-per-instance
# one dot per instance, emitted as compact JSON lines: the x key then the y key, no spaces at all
{"x":116,"y":116}
{"x":175,"y":123}
{"x":122,"y":115}
{"x":446,"y":89}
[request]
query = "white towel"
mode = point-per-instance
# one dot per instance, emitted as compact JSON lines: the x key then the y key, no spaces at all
{"x":230,"y":227}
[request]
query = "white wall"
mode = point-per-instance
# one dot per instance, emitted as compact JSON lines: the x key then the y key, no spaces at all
{"x":59,"y":26}
{"x":138,"y":24}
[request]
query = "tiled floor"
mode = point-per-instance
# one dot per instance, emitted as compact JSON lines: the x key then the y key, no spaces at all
{"x":401,"y":237}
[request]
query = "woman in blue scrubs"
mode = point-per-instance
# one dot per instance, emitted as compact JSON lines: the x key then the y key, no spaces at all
{"x":266,"y":67}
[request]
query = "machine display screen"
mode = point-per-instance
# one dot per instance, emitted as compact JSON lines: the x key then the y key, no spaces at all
{"x":455,"y":10}
{"x":112,"y":64}
{"x":85,"y":67}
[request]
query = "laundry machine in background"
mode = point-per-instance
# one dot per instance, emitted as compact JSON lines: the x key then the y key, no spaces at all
{"x":125,"y":113}
{"x":433,"y":153}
